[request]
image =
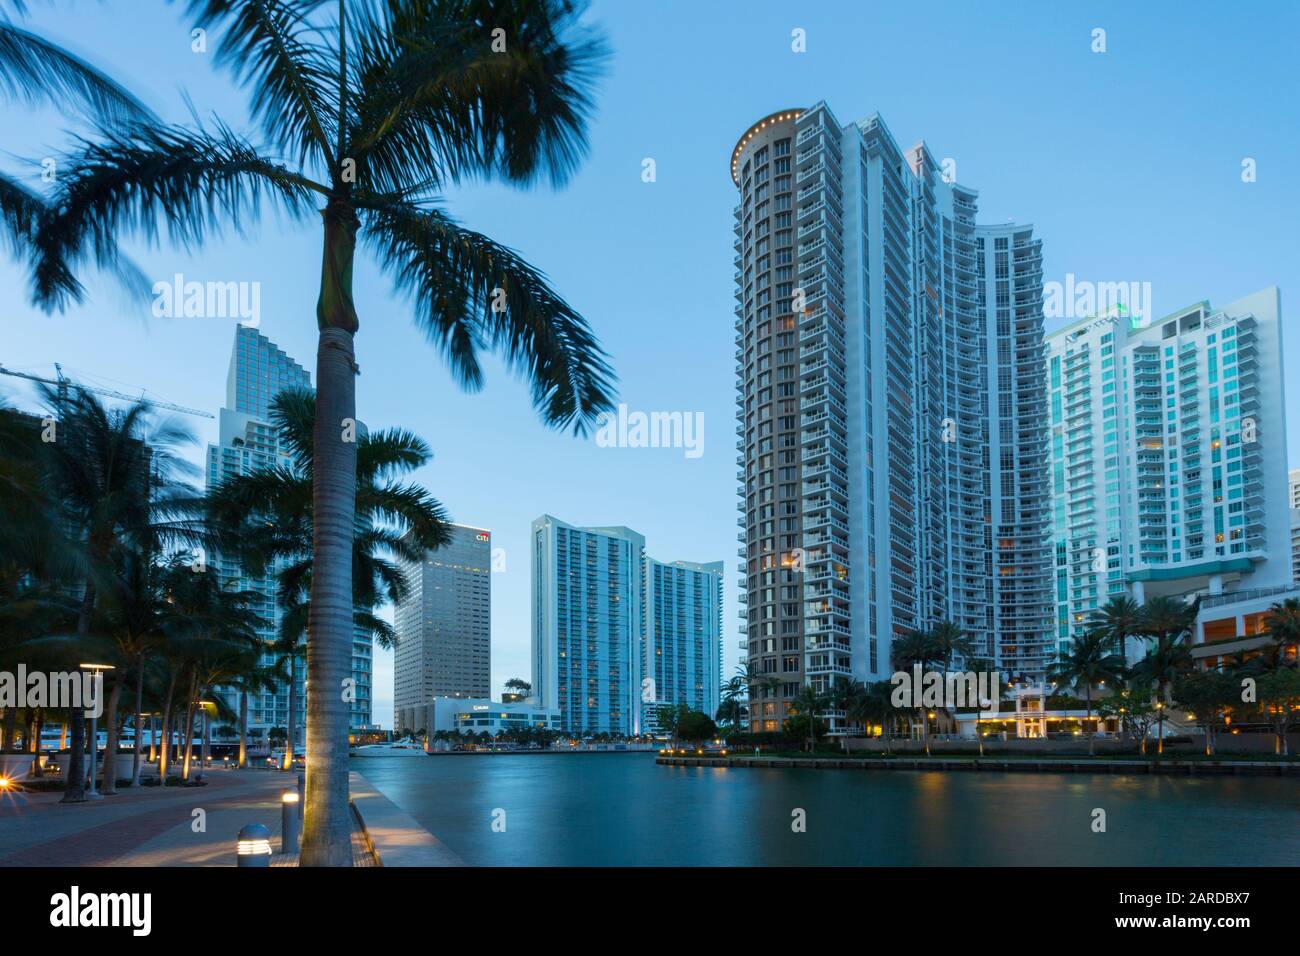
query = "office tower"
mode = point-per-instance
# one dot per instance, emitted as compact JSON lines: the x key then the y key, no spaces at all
{"x":1293,"y":487}
{"x":586,"y":601}
{"x":681,"y":646}
{"x":444,"y":625}
{"x":258,"y":371}
{"x":1168,"y":454}
{"x":892,"y":415}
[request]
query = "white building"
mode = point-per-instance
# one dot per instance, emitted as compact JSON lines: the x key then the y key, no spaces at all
{"x":1168,"y":452}
{"x":477,"y":715}
{"x":891,"y":410}
{"x":616,"y":633}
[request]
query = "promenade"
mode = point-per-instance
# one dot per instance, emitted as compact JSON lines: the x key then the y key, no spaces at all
{"x":150,"y":826}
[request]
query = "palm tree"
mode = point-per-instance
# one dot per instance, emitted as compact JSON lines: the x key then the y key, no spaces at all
{"x":808,"y":702}
{"x":1283,"y":623}
{"x":735,"y":694}
{"x":1090,"y":661}
{"x":114,"y":480}
{"x":914,"y":648}
{"x":266,"y":517}
{"x":1119,"y":619}
{"x":370,"y":111}
{"x":871,"y":704}
{"x":1168,"y":621}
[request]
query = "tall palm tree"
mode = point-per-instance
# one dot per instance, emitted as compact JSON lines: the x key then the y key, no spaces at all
{"x":735,"y":694}
{"x":1119,"y":619}
{"x":1091,"y":660}
{"x":114,"y":476}
{"x":370,"y":110}
{"x":916,"y":647}
{"x":266,"y":517}
{"x":871,"y":704}
{"x":1168,"y":622}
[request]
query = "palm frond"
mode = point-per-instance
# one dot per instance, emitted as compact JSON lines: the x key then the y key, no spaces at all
{"x":473,"y":293}
{"x":265,"y":45}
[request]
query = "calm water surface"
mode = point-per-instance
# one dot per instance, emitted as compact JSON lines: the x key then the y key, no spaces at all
{"x":622,"y":809}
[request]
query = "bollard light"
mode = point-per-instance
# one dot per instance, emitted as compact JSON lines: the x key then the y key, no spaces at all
{"x":253,"y":846}
{"x":289,"y":822}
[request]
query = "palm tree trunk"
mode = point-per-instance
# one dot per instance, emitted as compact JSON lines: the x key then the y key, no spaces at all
{"x":291,"y":725}
{"x":327,"y":828}
{"x":189,"y":734}
{"x":108,"y":784}
{"x":1092,"y":737}
{"x":38,"y":724}
{"x":74,"y":790}
{"x":164,"y":756}
{"x":10,"y":729}
{"x":206,"y":724}
{"x":139,"y":722}
{"x":243,"y":728}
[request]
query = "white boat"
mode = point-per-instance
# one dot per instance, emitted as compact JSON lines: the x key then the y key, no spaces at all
{"x":398,"y":748}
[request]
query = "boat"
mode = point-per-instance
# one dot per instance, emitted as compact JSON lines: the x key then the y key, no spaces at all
{"x":398,"y":748}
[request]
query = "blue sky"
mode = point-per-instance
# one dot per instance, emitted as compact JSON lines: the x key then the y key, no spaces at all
{"x":1128,"y":162}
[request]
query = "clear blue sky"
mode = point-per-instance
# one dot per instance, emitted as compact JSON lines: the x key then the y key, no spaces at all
{"x":1127,"y":162}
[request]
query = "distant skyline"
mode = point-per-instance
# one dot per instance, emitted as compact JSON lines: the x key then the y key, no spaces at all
{"x":1128,"y":163}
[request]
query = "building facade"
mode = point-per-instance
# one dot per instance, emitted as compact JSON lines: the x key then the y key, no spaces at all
{"x":1168,"y":457}
{"x":476,"y":715}
{"x":681,"y":645}
{"x":444,"y":625}
{"x":891,"y":412}
{"x":259,"y":370}
{"x":616,"y":633}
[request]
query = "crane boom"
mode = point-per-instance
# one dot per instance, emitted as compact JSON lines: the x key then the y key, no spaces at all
{"x":62,"y":383}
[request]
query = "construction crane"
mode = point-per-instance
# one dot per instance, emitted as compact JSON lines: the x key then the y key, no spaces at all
{"x":62,"y":381}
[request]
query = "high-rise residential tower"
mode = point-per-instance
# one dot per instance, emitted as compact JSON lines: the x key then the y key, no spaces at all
{"x":681,"y":646}
{"x":259,"y":370}
{"x":891,"y":409}
{"x":617,"y":633}
{"x":1168,"y":456}
{"x":444,"y":626}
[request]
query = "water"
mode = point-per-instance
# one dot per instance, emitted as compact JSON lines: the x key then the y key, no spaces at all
{"x":623,"y":809}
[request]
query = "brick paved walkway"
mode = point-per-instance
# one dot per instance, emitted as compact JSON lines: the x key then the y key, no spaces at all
{"x":146,"y":826}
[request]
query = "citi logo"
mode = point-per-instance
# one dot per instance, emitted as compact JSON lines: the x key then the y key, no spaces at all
{"x":75,"y":909}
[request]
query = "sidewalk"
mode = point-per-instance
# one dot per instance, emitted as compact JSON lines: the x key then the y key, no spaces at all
{"x":149,"y":826}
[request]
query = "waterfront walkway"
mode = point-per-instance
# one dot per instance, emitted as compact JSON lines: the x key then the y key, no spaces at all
{"x":150,"y":826}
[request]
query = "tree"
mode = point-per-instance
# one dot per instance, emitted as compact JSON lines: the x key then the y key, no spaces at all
{"x":735,"y":696}
{"x":1168,"y":621}
{"x":1279,"y":697}
{"x":517,"y":685}
{"x":916,"y":648}
{"x":695,"y":726}
{"x":369,"y":112}
{"x":1283,"y":624}
{"x":1090,"y":661}
{"x":668,"y":718}
{"x":871,"y":704}
{"x":1208,"y":695}
{"x":1135,"y":713}
{"x":1119,"y":619}
{"x":266,"y":517}
{"x":807,"y":703}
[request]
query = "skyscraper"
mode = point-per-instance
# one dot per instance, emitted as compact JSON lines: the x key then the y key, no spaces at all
{"x":259,"y":370}
{"x":891,"y":410}
{"x":1168,"y":456}
{"x":444,"y":626}
{"x":681,"y":646}
{"x":587,"y":592}
{"x":617,"y":633}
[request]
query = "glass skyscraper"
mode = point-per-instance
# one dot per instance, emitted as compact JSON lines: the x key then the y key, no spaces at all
{"x":891,"y":409}
{"x":259,"y":370}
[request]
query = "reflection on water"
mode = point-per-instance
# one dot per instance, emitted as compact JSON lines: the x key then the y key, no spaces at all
{"x":623,"y":809}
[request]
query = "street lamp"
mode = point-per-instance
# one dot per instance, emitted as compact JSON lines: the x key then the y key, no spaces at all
{"x":91,"y":792}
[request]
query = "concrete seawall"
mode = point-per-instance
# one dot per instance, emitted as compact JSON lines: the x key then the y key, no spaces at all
{"x":394,"y":837}
{"x":994,"y":764}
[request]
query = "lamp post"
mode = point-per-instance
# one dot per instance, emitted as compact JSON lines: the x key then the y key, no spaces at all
{"x":91,"y":792}
{"x":253,"y":846}
{"x":289,"y":822}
